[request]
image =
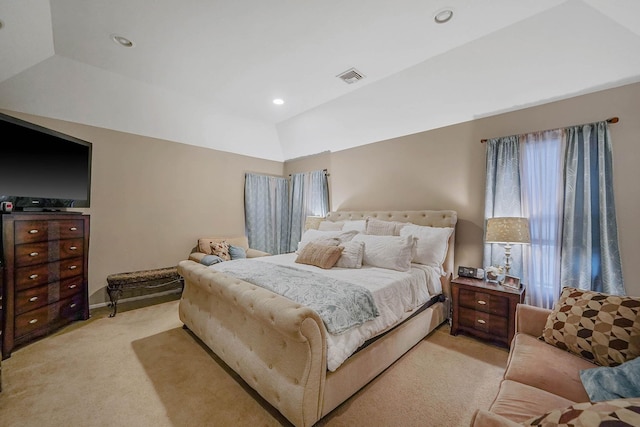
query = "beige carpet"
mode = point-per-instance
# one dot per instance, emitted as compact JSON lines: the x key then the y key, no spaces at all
{"x":141,"y":368}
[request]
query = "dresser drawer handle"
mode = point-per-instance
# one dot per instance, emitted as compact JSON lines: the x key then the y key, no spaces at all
{"x":32,"y":321}
{"x":482,"y":322}
{"x":33,"y":276}
{"x":481,"y":302}
{"x":73,"y":305}
{"x":34,"y":231}
{"x":73,"y":248}
{"x":73,"y":228}
{"x":33,"y":299}
{"x":72,"y":286}
{"x":34,"y":254}
{"x":73,"y":267}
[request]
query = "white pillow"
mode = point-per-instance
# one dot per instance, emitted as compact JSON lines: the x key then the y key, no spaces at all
{"x":318,"y":236}
{"x":379,"y":227}
{"x":360,"y":225}
{"x":431,"y":243}
{"x":351,"y":255}
{"x":330,"y":226}
{"x":392,"y":252}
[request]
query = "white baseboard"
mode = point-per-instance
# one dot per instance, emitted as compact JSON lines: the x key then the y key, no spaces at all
{"x":120,"y":301}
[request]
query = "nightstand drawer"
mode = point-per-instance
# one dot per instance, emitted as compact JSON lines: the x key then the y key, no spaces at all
{"x":482,"y":301}
{"x":485,"y":322}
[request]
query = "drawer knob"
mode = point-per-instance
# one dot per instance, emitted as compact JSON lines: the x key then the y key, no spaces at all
{"x":34,"y":231}
{"x":72,"y":286}
{"x":73,"y":305}
{"x":73,"y":267}
{"x":73,"y":248}
{"x":33,"y":254}
{"x":482,"y":322}
{"x":73,"y":228}
{"x":481,"y":302}
{"x":32,"y":321}
{"x":33,"y":299}
{"x":33,"y":276}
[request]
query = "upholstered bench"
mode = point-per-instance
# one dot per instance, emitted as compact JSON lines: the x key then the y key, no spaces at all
{"x":118,"y":283}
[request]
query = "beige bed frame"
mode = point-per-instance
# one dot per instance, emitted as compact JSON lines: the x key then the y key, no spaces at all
{"x":278,"y":346}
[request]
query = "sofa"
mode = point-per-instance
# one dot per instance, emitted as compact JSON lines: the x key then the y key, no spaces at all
{"x":210,"y":248}
{"x":543,"y":383}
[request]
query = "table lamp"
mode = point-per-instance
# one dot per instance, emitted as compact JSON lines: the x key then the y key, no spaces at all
{"x":507,"y":230}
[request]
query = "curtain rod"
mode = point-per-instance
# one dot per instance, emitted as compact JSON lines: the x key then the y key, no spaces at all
{"x":323,"y":170}
{"x":610,"y":120}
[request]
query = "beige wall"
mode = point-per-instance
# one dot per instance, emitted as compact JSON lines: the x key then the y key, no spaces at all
{"x":445,"y":168}
{"x":152,"y":199}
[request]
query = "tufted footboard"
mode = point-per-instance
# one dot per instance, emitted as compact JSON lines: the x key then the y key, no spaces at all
{"x":276,"y":345}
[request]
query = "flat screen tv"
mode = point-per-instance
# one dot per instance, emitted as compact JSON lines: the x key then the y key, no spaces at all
{"x":41,"y":169}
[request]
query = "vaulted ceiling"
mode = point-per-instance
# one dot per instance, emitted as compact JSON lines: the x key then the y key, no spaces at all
{"x":205,"y":72}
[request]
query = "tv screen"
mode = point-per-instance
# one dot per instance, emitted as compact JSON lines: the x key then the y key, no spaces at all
{"x":42,"y":169}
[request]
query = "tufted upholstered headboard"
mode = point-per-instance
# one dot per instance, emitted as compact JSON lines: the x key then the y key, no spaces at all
{"x":431,"y":218}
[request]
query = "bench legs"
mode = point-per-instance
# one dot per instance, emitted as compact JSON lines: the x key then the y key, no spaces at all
{"x":115,"y":292}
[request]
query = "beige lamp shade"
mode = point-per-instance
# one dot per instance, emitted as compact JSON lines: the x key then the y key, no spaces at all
{"x":508,"y":230}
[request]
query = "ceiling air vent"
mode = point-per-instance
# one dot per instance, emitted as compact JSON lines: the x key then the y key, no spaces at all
{"x":351,"y":76}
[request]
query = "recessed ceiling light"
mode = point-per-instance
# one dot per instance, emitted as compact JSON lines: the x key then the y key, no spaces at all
{"x":443,"y":16}
{"x":278,"y":101}
{"x":122,"y":41}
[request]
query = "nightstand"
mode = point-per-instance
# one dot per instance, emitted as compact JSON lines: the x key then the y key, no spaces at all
{"x":485,"y":310}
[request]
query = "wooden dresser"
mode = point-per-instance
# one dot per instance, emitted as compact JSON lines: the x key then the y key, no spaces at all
{"x":484,"y":310}
{"x":45,"y":257}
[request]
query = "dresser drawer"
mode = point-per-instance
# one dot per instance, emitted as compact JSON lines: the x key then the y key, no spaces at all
{"x":70,"y":248}
{"x":31,"y":231}
{"x":72,"y":286}
{"x":40,"y":231}
{"x":35,"y":275}
{"x":71,"y":308}
{"x":32,"y":320}
{"x":481,"y":321}
{"x":31,"y":254}
{"x":71,"y":267}
{"x":485,"y":302}
{"x":30,"y":299}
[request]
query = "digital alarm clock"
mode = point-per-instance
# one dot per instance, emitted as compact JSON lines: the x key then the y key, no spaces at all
{"x":476,"y":273}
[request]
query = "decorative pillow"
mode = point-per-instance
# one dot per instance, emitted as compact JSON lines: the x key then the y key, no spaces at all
{"x":359,"y":225}
{"x":210,"y":260}
{"x":221,"y":249}
{"x":330,"y":226}
{"x":324,"y":237}
{"x":602,"y":328}
{"x":618,"y":412}
{"x":351,"y":255}
{"x":237,"y":252}
{"x":616,"y":382}
{"x":392,"y":252}
{"x":319,"y":255}
{"x":378,"y":227}
{"x":431,"y":243}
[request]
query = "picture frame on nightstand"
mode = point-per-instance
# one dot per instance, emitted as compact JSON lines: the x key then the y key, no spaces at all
{"x":512,"y":282}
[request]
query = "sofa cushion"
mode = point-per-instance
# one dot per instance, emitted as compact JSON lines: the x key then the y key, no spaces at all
{"x":538,"y":364}
{"x":619,"y":412}
{"x":221,"y":249}
{"x":601,"y":328}
{"x":519,"y":402}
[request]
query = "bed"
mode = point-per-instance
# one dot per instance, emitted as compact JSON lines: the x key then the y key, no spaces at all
{"x":284,"y":350}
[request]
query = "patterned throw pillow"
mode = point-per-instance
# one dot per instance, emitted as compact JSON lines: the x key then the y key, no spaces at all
{"x":618,"y":412}
{"x":221,"y":249}
{"x":602,"y":328}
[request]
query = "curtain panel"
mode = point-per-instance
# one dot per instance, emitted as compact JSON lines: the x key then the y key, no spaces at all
{"x":266,"y":205}
{"x":309,"y":197}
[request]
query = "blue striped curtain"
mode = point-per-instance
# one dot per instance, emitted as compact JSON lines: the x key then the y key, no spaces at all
{"x":309,"y":197}
{"x":266,"y":205}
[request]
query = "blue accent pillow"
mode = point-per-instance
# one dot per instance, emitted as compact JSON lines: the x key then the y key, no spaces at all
{"x":607,"y":383}
{"x":210,"y":260}
{"x":237,"y":252}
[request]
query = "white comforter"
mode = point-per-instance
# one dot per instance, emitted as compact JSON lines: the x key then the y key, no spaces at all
{"x":397,"y":294}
